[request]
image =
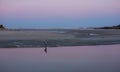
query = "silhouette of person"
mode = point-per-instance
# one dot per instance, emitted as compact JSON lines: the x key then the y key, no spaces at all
{"x":45,"y":44}
{"x":45,"y":50}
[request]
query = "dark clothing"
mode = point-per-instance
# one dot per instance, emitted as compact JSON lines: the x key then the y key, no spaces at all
{"x":45,"y":44}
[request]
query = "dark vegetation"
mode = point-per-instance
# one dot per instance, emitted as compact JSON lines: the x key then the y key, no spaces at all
{"x":2,"y":27}
{"x":113,"y":27}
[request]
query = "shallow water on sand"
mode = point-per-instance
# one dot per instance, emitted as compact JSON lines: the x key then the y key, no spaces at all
{"x":61,"y":59}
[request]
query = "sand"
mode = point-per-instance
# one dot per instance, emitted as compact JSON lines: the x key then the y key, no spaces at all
{"x":56,"y":38}
{"x":29,"y":35}
{"x":71,"y":34}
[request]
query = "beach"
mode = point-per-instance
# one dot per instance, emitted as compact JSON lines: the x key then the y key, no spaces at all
{"x":104,"y":58}
{"x":56,"y":38}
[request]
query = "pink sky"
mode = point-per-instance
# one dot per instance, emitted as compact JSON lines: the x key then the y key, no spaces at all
{"x":59,"y":7}
{"x":67,"y":12}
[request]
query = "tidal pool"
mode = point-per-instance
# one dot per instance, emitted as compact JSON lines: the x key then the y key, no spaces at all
{"x":103,"y":58}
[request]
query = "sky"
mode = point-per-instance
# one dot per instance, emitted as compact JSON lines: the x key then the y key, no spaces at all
{"x":59,"y":13}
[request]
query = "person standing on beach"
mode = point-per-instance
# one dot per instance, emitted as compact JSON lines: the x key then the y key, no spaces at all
{"x":45,"y":44}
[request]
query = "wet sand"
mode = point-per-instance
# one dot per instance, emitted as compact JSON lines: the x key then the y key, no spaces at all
{"x":104,"y":58}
